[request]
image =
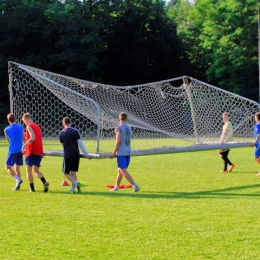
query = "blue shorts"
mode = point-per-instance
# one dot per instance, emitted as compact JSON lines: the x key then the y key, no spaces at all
{"x":14,"y":159}
{"x":257,"y":151}
{"x":123,"y":161}
{"x":33,"y":160}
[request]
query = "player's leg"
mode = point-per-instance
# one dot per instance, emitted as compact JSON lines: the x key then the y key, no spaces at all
{"x":66,"y":169}
{"x":225,"y":159}
{"x":231,"y":165}
{"x":70,"y":168}
{"x":17,"y":170}
{"x":17,"y":177}
{"x":123,"y":165}
{"x":14,"y":175}
{"x":36,"y":169}
{"x":72,"y":177}
{"x":119,"y":177}
{"x":10,"y":161}
{"x":74,"y":170}
{"x":17,"y":165}
{"x":10,"y":170}
{"x":30,"y":177}
{"x":257,"y":156}
{"x":228,"y":162}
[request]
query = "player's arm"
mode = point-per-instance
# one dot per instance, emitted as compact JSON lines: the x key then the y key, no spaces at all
{"x":256,"y":140}
{"x":6,"y":136}
{"x":83,"y":149}
{"x":60,"y":137}
{"x":31,"y":139}
{"x":24,"y":136}
{"x":118,"y":143}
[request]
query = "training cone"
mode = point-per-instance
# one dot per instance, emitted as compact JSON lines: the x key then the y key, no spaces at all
{"x":65,"y":183}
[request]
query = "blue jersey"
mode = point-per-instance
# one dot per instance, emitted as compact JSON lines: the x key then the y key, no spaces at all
{"x":257,"y":132}
{"x":15,"y":134}
{"x":125,"y":137}
{"x":69,"y":138}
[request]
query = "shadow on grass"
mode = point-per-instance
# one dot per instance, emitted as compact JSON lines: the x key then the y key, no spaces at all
{"x":226,"y":193}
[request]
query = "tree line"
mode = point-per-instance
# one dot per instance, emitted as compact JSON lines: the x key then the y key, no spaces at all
{"x":126,"y":42}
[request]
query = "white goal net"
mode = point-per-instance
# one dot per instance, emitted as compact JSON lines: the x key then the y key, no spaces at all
{"x":178,"y":114}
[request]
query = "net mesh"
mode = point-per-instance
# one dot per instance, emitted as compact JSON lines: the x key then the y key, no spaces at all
{"x":178,"y":112}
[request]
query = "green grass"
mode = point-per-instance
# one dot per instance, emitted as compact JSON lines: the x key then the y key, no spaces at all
{"x":186,"y":209}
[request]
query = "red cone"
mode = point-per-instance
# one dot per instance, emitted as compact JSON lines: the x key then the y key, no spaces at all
{"x":65,"y":183}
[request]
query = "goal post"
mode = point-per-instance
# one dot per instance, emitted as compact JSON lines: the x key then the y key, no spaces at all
{"x":176,"y":115}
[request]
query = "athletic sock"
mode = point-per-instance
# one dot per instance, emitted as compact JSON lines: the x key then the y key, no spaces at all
{"x":43,"y":180}
{"x":75,"y":183}
{"x":32,"y":186}
{"x":17,"y":178}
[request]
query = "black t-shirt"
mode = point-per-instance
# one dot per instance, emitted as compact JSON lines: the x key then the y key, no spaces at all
{"x":69,"y":138}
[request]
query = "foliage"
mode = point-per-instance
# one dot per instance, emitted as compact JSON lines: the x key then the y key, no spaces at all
{"x":220,"y":37}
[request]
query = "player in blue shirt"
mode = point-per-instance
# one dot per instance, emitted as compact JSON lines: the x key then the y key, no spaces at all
{"x":122,"y":151}
{"x":71,"y":141}
{"x":257,"y":138}
{"x":14,"y":133}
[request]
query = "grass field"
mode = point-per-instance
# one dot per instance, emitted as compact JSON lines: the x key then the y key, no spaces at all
{"x":186,"y":209}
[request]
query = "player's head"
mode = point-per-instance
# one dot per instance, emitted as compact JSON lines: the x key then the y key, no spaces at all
{"x":27,"y":119}
{"x":257,"y":117}
{"x":225,"y":117}
{"x":122,"y":116}
{"x":66,"y":121}
{"x":11,"y":118}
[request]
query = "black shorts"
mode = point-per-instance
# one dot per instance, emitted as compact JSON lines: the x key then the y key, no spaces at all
{"x":71,"y":164}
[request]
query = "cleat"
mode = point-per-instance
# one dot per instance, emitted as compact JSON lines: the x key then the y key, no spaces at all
{"x":46,"y":187}
{"x":224,"y":171}
{"x":136,"y":188}
{"x":71,"y":192}
{"x":31,"y":190}
{"x":18,"y":184}
{"x":231,"y":167}
{"x":79,"y":186}
{"x":114,"y":189}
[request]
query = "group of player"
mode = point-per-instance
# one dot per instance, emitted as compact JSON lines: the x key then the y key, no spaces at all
{"x":227,"y":136}
{"x":30,"y":145}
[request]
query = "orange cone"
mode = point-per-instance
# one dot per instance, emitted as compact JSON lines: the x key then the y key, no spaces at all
{"x":65,"y":183}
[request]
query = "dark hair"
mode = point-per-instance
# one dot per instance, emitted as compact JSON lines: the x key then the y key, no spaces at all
{"x":11,"y":118}
{"x":123,"y":116}
{"x":258,"y":115}
{"x":66,"y":120}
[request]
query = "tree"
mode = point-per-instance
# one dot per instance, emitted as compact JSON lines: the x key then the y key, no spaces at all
{"x":21,"y":23}
{"x":225,"y":37}
{"x":144,"y":46}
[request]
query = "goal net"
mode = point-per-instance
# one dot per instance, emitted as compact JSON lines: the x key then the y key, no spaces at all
{"x":179,"y":114}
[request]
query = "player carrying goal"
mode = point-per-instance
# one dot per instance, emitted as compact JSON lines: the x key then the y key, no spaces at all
{"x":71,"y":141}
{"x":122,"y":151}
{"x":33,"y":150}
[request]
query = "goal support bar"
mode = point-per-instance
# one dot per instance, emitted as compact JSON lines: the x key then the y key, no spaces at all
{"x":197,"y":148}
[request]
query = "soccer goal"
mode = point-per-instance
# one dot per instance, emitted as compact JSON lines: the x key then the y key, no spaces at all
{"x":176,"y":115}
